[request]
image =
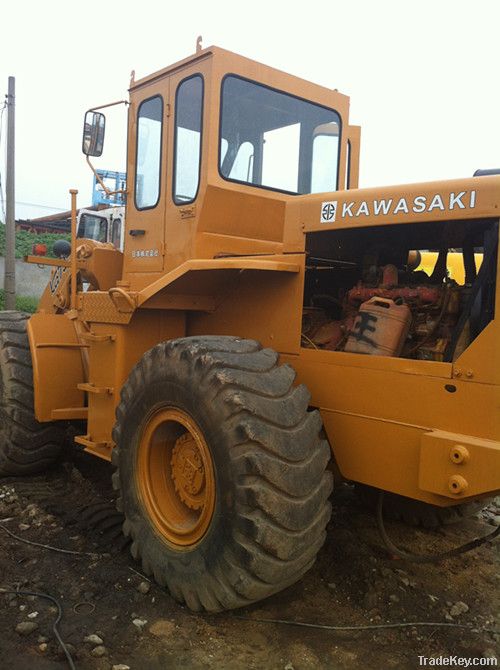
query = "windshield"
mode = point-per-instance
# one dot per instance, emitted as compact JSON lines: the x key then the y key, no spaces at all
{"x":93,"y":228}
{"x":276,"y":140}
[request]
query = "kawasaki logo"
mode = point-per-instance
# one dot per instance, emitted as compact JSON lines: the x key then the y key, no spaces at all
{"x":392,"y":206}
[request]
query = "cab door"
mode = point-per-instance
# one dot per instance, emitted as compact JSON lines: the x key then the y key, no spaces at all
{"x":147,"y":166}
{"x":188,"y":130}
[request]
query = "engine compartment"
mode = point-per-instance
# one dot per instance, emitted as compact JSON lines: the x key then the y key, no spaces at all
{"x":422,"y":291}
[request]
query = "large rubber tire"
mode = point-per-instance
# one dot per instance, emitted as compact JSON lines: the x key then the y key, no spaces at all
{"x":272,"y":486}
{"x":26,"y":446}
{"x":418,"y":513}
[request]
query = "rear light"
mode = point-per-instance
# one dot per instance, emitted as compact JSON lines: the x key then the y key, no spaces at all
{"x":39,"y":250}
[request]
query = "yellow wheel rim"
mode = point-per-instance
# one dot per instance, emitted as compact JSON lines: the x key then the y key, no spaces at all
{"x":175,"y":477}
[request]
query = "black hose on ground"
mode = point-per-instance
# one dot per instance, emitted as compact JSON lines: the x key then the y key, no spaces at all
{"x":426,"y":558}
{"x":56,"y":622}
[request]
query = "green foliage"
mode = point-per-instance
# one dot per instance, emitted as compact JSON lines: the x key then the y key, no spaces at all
{"x":23,"y":303}
{"x":25,"y":241}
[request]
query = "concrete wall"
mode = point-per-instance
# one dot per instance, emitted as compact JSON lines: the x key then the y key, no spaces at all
{"x":30,"y":279}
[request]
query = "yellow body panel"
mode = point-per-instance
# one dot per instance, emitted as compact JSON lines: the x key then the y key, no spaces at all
{"x":376,"y":416}
{"x":469,"y":463}
{"x":113,"y":353}
{"x":56,"y":354}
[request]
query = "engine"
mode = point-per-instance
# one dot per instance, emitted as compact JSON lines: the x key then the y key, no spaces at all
{"x":387,"y":316}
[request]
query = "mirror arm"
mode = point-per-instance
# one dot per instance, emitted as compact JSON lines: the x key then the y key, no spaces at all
{"x":102,"y":184}
{"x":109,"y":104}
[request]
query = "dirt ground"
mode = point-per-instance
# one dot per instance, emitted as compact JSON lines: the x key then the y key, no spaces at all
{"x":140,"y":626}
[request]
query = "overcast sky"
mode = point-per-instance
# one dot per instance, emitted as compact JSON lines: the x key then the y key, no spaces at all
{"x":422,"y":76}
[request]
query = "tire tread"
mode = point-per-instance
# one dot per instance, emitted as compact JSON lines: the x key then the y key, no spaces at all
{"x":278,"y":465}
{"x":26,"y":446}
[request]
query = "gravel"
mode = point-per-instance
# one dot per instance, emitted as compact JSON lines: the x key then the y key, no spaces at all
{"x":144,"y":587}
{"x":459,"y":608}
{"x":99,"y":651}
{"x":26,"y":627}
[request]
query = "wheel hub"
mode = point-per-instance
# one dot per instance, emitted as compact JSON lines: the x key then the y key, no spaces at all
{"x":175,"y":477}
{"x":188,"y":472}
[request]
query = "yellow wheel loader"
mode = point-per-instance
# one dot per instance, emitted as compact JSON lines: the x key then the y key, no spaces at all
{"x":265,"y":330}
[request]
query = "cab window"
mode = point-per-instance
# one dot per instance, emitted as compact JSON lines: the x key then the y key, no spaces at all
{"x":187,"y":139}
{"x":275,"y":140}
{"x":116,"y":232}
{"x":93,"y":227}
{"x":148,"y":157}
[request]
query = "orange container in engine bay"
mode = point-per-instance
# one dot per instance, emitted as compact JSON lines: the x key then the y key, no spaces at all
{"x":380,"y":328}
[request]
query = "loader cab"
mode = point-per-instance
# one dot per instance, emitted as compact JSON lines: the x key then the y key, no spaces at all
{"x":105,"y":225}
{"x":92,"y":226}
{"x":217,"y":144}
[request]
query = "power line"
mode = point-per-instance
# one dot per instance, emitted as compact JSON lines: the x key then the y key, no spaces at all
{"x":37,"y":204}
{"x":29,"y":204}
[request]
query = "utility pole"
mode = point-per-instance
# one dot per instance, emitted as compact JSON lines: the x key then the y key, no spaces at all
{"x":10,"y":197}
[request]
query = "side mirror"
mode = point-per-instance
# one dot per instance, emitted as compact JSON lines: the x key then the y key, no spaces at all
{"x":93,"y":133}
